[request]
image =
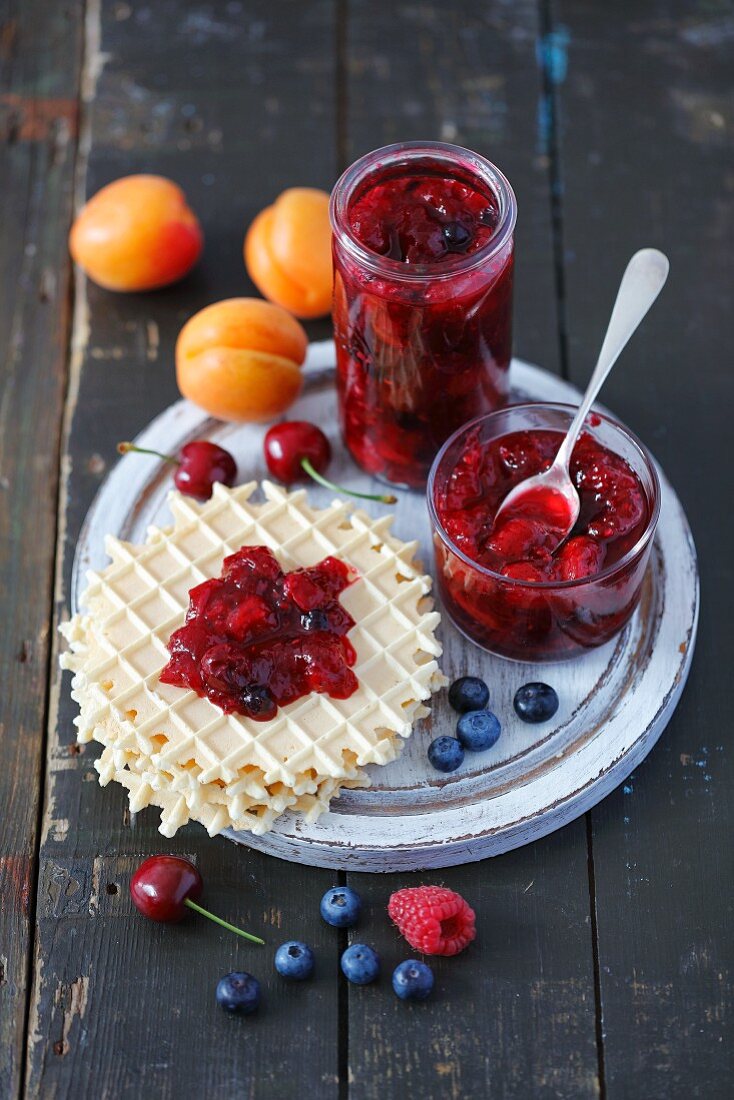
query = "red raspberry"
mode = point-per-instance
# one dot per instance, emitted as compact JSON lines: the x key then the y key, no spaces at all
{"x":580,"y":557}
{"x":433,"y":919}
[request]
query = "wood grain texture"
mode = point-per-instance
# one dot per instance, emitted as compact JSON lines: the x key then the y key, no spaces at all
{"x":39,"y":69}
{"x":465,"y":73}
{"x":513,"y":1016}
{"x":614,"y":123}
{"x":646,"y":116}
{"x":230,"y":100}
{"x":468,"y":73}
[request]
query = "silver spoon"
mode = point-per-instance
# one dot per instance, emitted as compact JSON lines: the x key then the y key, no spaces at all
{"x":641,"y":283}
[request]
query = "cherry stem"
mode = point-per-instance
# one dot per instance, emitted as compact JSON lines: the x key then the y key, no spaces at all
{"x":126,"y":448}
{"x":388,"y":498}
{"x":218,"y":920}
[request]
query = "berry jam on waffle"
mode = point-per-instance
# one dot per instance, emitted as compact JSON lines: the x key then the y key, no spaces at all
{"x":257,"y":638}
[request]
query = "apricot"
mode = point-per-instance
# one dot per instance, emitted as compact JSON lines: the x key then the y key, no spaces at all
{"x":288,"y":252}
{"x":241,"y":359}
{"x":137,"y":233}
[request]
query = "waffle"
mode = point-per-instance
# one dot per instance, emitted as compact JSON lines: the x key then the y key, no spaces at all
{"x":171,"y":748}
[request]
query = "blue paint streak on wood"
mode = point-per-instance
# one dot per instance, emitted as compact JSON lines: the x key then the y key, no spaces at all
{"x":552,"y":56}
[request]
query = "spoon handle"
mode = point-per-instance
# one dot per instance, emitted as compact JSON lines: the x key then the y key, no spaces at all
{"x":641,"y":283}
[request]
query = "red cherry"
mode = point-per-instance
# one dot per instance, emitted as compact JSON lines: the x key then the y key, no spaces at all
{"x":287,"y":444}
{"x":517,"y":538}
{"x":580,"y":557}
{"x":199,"y":465}
{"x":295,"y":447}
{"x":164,"y":887}
{"x":160,"y":886}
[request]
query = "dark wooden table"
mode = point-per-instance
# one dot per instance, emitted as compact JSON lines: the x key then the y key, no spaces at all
{"x":601,"y":967}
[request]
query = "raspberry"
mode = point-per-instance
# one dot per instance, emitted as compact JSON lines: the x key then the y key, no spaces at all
{"x":252,"y":615}
{"x":580,"y":557}
{"x":517,"y":539}
{"x":433,"y":919}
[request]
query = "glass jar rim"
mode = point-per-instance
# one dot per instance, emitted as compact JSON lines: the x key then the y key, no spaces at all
{"x":536,"y":586}
{"x":482,"y":168}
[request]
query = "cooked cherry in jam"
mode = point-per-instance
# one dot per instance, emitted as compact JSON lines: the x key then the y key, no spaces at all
{"x":523,"y":620}
{"x":256,"y":638}
{"x":423,"y":317}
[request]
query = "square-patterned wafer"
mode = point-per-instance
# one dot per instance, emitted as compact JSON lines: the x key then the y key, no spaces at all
{"x":119,"y":647}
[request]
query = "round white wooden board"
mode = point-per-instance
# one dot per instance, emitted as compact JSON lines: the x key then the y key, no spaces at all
{"x":615,"y":701}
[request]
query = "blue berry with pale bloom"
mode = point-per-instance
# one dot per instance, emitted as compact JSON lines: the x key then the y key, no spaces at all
{"x":468,"y":693}
{"x":294,"y":960}
{"x":238,"y":992}
{"x":478,"y":730}
{"x":360,"y":964}
{"x":535,"y":702}
{"x":446,"y":754}
{"x":412,"y":980}
{"x":341,"y":906}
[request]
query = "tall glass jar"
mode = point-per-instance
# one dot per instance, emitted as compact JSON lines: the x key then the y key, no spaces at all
{"x":422,"y":347}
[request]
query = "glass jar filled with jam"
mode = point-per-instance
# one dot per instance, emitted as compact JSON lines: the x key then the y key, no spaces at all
{"x":423,"y":259}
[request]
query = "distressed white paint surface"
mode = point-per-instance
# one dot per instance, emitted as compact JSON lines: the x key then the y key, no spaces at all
{"x":615,"y":701}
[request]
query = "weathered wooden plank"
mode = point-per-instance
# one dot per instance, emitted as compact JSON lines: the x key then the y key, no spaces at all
{"x":234,"y":102}
{"x":39,"y":68}
{"x":514,"y":1016}
{"x":464,"y":73}
{"x":646,"y":116}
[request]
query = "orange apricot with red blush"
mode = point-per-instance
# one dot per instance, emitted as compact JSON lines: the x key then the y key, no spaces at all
{"x":288,"y":252}
{"x":241,"y":359}
{"x":137,"y":233}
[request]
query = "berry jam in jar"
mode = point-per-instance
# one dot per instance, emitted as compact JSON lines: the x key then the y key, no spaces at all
{"x":423,"y":261}
{"x":510,"y":586}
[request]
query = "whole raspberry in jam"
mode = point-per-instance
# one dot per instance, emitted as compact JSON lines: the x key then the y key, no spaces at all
{"x":578,"y":558}
{"x":433,"y":919}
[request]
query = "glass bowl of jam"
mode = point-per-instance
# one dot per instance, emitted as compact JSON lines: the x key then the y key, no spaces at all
{"x":423,"y":239}
{"x":508,"y":586}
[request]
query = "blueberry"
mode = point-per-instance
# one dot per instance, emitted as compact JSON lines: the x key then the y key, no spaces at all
{"x":535,"y":702}
{"x":457,"y":236}
{"x":341,"y":906}
{"x":294,"y":960}
{"x":446,"y":754}
{"x":489,"y":216}
{"x":257,"y":699}
{"x":478,"y":730}
{"x":238,"y":992}
{"x":468,"y":693}
{"x":360,"y":964}
{"x":314,"y":620}
{"x":412,"y":980}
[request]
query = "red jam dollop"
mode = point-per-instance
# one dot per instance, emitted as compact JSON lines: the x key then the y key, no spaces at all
{"x":523,"y":545}
{"x":424,"y":219}
{"x":426,"y":347}
{"x":256,"y":638}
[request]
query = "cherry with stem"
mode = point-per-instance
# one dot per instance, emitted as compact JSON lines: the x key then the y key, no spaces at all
{"x":198,"y":466}
{"x":295,"y":447}
{"x":224,"y":923}
{"x":164,"y":887}
{"x":386,"y":498}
